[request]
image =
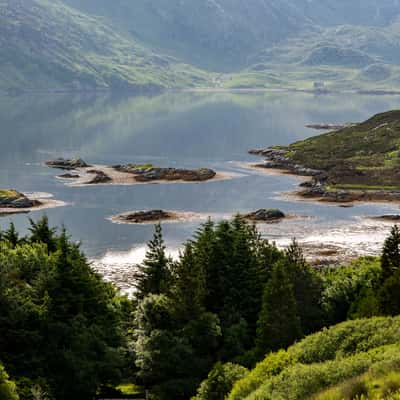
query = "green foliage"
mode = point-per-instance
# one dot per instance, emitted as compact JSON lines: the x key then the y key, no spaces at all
{"x":390,"y":260}
{"x":59,"y":322}
{"x":278,"y":325}
{"x":8,"y":390}
{"x":317,"y":359}
{"x":153,"y":275}
{"x":220,"y":381}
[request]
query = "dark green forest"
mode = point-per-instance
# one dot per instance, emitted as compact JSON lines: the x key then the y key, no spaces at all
{"x":195,"y":326}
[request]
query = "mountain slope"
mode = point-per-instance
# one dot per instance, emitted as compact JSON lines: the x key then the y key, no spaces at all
{"x":47,"y":45}
{"x":222,"y":34}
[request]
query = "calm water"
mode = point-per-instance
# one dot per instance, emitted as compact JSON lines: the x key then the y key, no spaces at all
{"x":176,"y":129}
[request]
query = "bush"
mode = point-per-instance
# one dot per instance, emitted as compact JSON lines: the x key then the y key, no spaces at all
{"x":220,"y":381}
{"x":8,"y":390}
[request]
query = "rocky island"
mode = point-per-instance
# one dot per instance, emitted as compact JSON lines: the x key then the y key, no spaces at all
{"x":153,"y":216}
{"x":356,"y":163}
{"x":264,"y":215}
{"x":85,"y":174}
{"x":13,"y":202}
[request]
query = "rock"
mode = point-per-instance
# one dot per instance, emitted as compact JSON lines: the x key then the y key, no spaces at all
{"x":100,"y":177}
{"x":147,"y":174}
{"x":14,"y":199}
{"x":266,"y":215}
{"x":390,"y":218}
{"x":145,"y":216}
{"x":69,"y":176}
{"x":63,"y":163}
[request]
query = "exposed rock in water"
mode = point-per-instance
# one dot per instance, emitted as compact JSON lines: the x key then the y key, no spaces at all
{"x":63,"y":163}
{"x":99,"y":177}
{"x":14,"y":199}
{"x":265,"y":215}
{"x":148,"y":174}
{"x":145,"y":216}
{"x":389,"y":218}
{"x":69,"y":176}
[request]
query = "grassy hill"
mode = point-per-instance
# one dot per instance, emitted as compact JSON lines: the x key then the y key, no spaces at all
{"x":337,"y":357}
{"x":47,"y":45}
{"x":367,"y":154}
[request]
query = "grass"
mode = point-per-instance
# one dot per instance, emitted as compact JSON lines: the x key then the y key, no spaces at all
{"x":364,"y":156}
{"x":141,"y":166}
{"x":9,"y":193}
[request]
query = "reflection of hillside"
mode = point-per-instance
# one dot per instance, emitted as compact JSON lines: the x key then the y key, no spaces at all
{"x":191,"y":124}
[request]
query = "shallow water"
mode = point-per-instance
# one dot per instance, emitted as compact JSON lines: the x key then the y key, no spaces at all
{"x":178,"y":129}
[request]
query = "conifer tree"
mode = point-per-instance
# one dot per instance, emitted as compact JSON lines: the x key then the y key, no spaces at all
{"x":153,"y":275}
{"x":188,"y":290}
{"x":11,"y":235}
{"x":278,"y":325}
{"x":42,"y":233}
{"x":390,"y":260}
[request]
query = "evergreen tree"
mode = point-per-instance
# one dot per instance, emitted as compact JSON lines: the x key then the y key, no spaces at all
{"x":11,"y":235}
{"x":188,"y":291}
{"x":278,"y":324}
{"x":307,"y":288}
{"x":42,"y":233}
{"x":390,"y":260}
{"x":153,"y":275}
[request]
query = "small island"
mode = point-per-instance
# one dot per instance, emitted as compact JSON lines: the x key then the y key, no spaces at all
{"x":154,"y":216}
{"x":357,"y":163}
{"x":264,"y":215}
{"x":14,"y":202}
{"x":82,"y":173}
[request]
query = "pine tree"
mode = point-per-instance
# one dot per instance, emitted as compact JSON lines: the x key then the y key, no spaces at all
{"x":153,"y":275}
{"x":307,"y":288}
{"x":42,"y":233}
{"x":390,"y":260}
{"x":278,"y":325}
{"x":11,"y":235}
{"x":188,"y":291}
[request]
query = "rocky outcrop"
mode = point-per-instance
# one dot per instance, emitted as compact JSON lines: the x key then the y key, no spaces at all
{"x":99,"y":177}
{"x":148,"y":174}
{"x":14,"y":199}
{"x":264,"y":215}
{"x":68,"y":164}
{"x":69,"y":176}
{"x":140,"y":217}
{"x":278,"y":159}
{"x":388,"y":218}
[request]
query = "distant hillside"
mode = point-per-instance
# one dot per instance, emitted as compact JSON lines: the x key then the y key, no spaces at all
{"x":222,"y":34}
{"x":46,"y":45}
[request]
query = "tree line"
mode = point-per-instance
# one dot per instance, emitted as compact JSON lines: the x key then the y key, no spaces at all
{"x":228,"y":299}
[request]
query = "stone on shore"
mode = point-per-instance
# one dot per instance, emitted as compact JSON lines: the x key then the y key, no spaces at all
{"x":13,"y":199}
{"x":264,"y":215}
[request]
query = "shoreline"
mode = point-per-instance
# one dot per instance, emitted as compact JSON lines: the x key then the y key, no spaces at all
{"x":110,"y":176}
{"x":46,"y":202}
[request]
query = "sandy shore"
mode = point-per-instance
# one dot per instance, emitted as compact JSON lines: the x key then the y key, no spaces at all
{"x":125,"y":178}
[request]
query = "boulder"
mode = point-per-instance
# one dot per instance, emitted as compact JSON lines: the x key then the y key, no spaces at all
{"x":99,"y":177}
{"x":145,"y":216}
{"x":68,"y":164}
{"x":266,"y":215}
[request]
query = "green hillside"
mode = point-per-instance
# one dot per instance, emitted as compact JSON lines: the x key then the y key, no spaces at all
{"x":46,"y":45}
{"x":330,"y":357}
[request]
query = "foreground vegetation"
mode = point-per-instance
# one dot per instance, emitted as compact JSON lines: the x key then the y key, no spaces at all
{"x":229,"y":299}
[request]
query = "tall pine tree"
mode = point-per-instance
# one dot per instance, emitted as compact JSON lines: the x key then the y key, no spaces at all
{"x":390,"y":260}
{"x":153,"y":275}
{"x":278,"y":325}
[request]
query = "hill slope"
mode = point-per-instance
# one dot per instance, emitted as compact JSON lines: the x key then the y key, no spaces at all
{"x":327,"y":358}
{"x":47,"y":45}
{"x":367,"y":154}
